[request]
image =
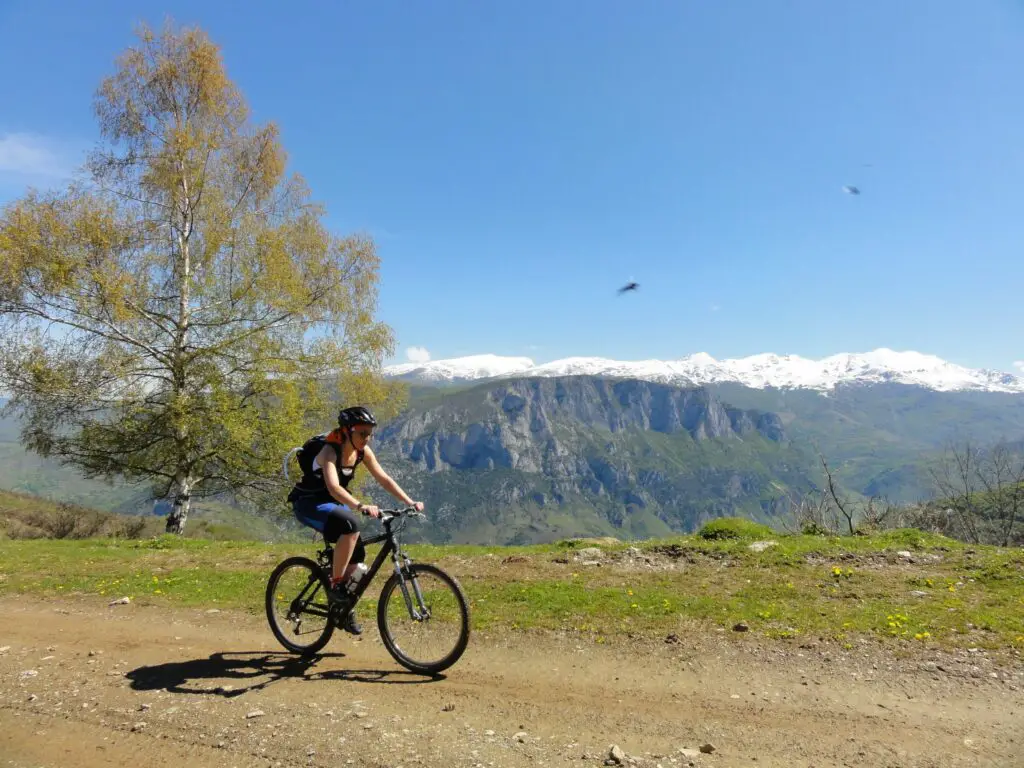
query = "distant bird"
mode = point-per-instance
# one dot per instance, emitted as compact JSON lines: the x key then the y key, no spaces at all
{"x":851,"y":190}
{"x":630,"y":286}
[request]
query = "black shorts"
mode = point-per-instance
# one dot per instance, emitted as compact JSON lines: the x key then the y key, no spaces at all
{"x":333,"y":520}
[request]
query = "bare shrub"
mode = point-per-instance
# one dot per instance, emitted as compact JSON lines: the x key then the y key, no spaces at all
{"x":89,"y":524}
{"x":982,"y":492}
{"x":132,"y":527}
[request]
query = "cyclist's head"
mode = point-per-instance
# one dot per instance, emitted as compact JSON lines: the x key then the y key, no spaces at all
{"x":357,"y":421}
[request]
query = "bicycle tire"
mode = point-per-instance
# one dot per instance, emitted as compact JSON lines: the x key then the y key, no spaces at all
{"x":390,"y":587}
{"x":282,"y":638}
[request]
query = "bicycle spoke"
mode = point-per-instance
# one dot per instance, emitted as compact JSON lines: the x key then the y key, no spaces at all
{"x":424,"y":619}
{"x":297,"y":606}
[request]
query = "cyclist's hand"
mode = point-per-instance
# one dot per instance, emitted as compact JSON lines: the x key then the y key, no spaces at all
{"x":417,"y":505}
{"x":371,"y":510}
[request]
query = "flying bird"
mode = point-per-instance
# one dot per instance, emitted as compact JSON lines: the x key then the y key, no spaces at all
{"x":630,"y":286}
{"x":851,"y":190}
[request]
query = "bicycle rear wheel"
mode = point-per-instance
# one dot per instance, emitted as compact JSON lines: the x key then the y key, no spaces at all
{"x":423,"y":619}
{"x":296,"y":602}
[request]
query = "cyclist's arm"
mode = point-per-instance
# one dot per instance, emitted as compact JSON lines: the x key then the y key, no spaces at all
{"x":327,"y":458}
{"x":382,"y":477}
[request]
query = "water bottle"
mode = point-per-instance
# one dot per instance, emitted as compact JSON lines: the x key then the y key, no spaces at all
{"x":356,"y":577}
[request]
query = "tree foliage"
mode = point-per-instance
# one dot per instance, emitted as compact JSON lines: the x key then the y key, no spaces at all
{"x":181,"y":314}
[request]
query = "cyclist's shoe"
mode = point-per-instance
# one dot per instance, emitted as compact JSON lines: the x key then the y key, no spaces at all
{"x":350,"y":624}
{"x":339,"y":595}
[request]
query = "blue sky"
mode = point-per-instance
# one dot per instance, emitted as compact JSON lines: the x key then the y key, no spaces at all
{"x":517,"y":162}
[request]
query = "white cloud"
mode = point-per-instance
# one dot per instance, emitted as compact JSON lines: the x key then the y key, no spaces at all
{"x":26,"y":154}
{"x":417,"y":354}
{"x":1019,"y":365}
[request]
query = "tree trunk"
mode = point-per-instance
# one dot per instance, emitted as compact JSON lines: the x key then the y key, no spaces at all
{"x":179,"y":512}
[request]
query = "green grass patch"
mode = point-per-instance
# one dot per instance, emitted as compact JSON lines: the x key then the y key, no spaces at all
{"x":734,"y":528}
{"x":835,"y":588}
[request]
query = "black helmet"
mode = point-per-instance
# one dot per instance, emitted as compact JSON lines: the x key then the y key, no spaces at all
{"x":357,"y":414}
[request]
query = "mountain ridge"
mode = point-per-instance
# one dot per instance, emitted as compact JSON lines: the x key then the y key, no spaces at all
{"x":760,"y":371}
{"x":523,"y":460}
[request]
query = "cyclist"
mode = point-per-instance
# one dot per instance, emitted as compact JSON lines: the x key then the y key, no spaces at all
{"x":321,"y":499}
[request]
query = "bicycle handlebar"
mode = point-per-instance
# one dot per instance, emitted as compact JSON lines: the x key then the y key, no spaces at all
{"x":387,"y":515}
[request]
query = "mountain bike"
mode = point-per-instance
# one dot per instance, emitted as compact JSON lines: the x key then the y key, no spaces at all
{"x":419,"y":604}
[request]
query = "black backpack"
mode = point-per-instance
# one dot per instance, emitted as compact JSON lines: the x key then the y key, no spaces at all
{"x":305,"y":454}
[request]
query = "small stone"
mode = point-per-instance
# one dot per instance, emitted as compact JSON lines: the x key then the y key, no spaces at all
{"x":707,"y":749}
{"x":138,"y":727}
{"x":254,"y":713}
{"x":740,"y":627}
{"x":448,"y":707}
{"x":47,"y":658}
{"x":213,"y":610}
{"x":521,"y":736}
{"x":143,"y":707}
{"x":95,"y":653}
{"x":30,"y":673}
{"x":32,"y":697}
{"x":488,"y":732}
{"x":690,"y":753}
{"x":120,"y":601}
{"x":919,"y":593}
{"x":4,"y":648}
{"x":616,"y":754}
{"x":761,"y":546}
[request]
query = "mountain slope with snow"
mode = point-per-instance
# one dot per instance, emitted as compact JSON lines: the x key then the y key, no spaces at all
{"x":758,"y":371}
{"x":460,"y":369}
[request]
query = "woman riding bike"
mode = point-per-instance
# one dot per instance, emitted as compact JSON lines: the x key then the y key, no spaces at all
{"x":322,"y":501}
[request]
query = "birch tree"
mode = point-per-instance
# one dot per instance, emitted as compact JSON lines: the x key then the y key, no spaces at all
{"x":180,"y":314}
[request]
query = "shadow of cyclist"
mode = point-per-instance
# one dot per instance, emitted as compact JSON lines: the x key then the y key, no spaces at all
{"x":256,"y":670}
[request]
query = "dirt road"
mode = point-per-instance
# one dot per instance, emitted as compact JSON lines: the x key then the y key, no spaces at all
{"x":87,"y":684}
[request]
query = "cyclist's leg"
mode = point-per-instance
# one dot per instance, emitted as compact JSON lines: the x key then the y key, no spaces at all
{"x":342,"y":526}
{"x":357,"y":555}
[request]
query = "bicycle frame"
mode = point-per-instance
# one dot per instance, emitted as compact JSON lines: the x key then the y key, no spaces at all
{"x":401,"y":562}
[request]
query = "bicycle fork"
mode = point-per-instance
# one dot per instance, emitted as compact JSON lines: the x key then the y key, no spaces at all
{"x":420,"y":611}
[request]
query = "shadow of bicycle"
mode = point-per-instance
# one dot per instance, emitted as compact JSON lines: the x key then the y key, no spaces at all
{"x":237,"y":673}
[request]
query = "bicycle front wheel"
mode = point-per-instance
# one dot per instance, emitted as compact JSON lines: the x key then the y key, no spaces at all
{"x":297,"y":609}
{"x":423,"y":619}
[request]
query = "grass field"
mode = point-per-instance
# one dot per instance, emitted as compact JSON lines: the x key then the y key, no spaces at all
{"x":898,"y":587}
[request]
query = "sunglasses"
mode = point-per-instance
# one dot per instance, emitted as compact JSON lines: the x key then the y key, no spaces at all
{"x":363,"y":433}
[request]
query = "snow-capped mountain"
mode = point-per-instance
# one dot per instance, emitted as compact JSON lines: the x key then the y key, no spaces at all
{"x":460,"y":369}
{"x":759,"y":371}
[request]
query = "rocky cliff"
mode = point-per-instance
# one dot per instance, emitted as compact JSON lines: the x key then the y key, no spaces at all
{"x":604,"y":449}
